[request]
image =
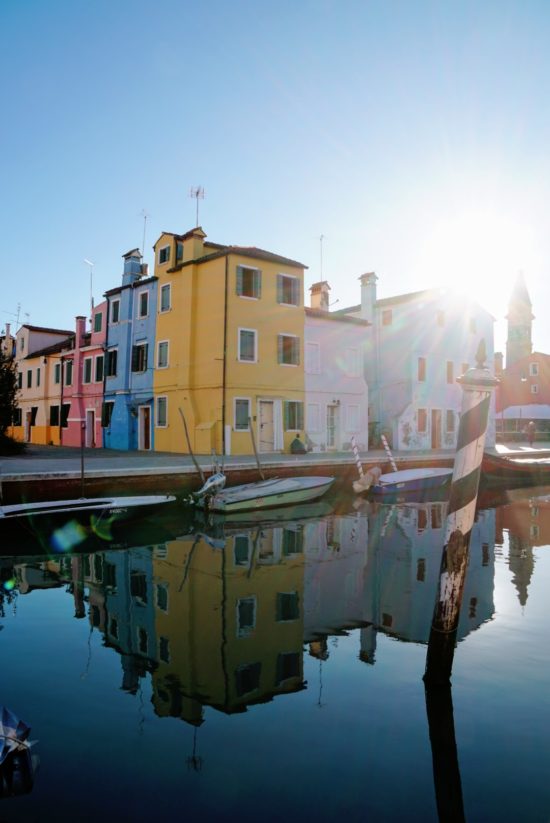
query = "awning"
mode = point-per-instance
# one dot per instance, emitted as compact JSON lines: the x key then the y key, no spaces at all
{"x":533,"y":411}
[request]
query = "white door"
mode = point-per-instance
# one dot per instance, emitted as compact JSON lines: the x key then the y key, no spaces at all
{"x":266,"y":427}
{"x":332,"y":424}
{"x":90,"y":428}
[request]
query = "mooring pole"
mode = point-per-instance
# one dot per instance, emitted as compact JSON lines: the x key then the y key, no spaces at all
{"x":477,"y":385}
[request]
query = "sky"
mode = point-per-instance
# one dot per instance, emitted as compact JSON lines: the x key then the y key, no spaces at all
{"x":412,"y":136}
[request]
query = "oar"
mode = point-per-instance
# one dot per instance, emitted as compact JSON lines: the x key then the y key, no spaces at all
{"x":198,"y":468}
{"x":255,"y":449}
{"x":388,"y":452}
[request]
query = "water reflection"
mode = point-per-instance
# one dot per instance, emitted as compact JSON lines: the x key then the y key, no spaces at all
{"x":219,"y":616}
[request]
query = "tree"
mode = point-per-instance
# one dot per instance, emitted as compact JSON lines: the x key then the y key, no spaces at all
{"x":8,"y":391}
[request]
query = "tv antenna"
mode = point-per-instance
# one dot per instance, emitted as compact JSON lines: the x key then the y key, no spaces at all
{"x":198,"y":193}
{"x":91,"y":265}
{"x":145,"y":215}
{"x":321,"y":238}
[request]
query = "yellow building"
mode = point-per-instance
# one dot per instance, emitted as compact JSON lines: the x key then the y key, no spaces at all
{"x":229,"y":346}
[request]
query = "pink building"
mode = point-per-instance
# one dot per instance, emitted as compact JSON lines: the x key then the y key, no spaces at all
{"x":82,"y":377}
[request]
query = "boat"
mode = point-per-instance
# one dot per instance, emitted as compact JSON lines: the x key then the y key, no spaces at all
{"x":521,"y":470}
{"x":414,"y":481}
{"x":263,"y":494}
{"x":108,"y":506}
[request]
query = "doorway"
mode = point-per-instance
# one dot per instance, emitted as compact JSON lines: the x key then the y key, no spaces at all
{"x":90,"y":428}
{"x":436,"y":428}
{"x":144,"y":428}
{"x":267,"y":426}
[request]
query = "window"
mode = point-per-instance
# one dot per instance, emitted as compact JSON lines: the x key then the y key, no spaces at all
{"x":288,"y":665}
{"x":450,"y":371}
{"x":138,"y":586}
{"x":17,"y":417}
{"x":179,"y":250}
{"x":115,"y":311}
{"x":139,"y":357}
{"x":440,"y":318}
{"x":450,"y":421}
{"x":29,"y":378}
{"x":248,"y":345}
{"x":143,"y":304}
{"x":288,"y":350}
{"x":241,"y":550}
{"x":22,"y":344}
{"x":287,"y":606}
{"x":54,"y":415}
{"x":162,"y":596}
{"x":246,"y":616}
{"x":352,"y":415}
{"x":421,"y":373}
{"x":313,"y":417}
{"x":534,"y":389}
{"x":249,"y":282}
{"x":113,"y":628}
{"x":422,"y":421}
{"x":353,"y":363}
{"x":19,"y":380}
{"x":421,"y":569}
{"x":534,"y":369}
{"x":111,"y":363}
{"x":162,"y":412}
{"x":65,"y":409}
{"x":313,"y":358}
{"x":242,"y":413}
{"x":107,"y":413}
{"x":143,"y":640}
{"x":162,"y":354}
{"x":57,"y":373}
{"x":387,"y":317}
{"x":293,"y":541}
{"x":87,"y":378}
{"x":98,"y":321}
{"x":99,"y":368}
{"x":288,"y":290}
{"x":69,"y":373}
{"x":164,"y":649}
{"x":293,"y":415}
{"x":37,"y":377}
{"x":164,"y":254}
{"x":165,"y":297}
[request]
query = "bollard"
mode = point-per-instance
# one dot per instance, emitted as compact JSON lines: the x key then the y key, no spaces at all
{"x":477,"y":385}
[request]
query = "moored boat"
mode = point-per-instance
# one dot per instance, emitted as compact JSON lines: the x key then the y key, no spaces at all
{"x":264,"y":494}
{"x":411,"y":481}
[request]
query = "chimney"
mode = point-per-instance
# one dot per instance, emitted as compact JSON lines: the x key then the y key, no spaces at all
{"x":133,"y":268}
{"x":80,"y":331}
{"x":319,"y":295}
{"x":193,"y":244}
{"x":368,"y":295}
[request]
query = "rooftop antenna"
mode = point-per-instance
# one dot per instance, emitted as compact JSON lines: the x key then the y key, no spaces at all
{"x":145,"y":215}
{"x":91,"y":265}
{"x":198,"y":193}
{"x":321,"y":238}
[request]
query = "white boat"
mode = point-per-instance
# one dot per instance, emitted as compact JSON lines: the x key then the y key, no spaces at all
{"x":264,"y":494}
{"x":108,"y":506}
{"x":411,"y":480}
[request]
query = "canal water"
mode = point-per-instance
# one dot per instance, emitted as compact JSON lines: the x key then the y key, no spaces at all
{"x":273,"y":670}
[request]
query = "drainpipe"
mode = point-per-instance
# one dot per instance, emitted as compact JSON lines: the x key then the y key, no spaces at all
{"x":225,"y":352}
{"x":61,"y":401}
{"x":105,"y":349}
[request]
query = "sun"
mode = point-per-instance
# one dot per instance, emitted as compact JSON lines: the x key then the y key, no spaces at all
{"x":479,"y":252}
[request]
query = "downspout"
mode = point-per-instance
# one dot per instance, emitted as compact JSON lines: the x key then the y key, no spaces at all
{"x":105,"y":350}
{"x":61,"y":402}
{"x":224,"y":378}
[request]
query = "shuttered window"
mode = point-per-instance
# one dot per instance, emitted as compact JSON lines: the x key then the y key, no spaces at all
{"x":107,"y":413}
{"x":288,"y":290}
{"x":293,"y":415}
{"x":249,"y":282}
{"x":139,"y":357}
{"x":288,"y":349}
{"x":111,"y":365}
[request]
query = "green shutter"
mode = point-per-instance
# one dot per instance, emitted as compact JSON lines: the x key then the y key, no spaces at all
{"x":280,"y":348}
{"x":279,"y":288}
{"x":239,"y":279}
{"x":285,"y":415}
{"x":300,"y":415}
{"x":296,"y":351}
{"x":258,"y":284}
{"x":296,"y":292}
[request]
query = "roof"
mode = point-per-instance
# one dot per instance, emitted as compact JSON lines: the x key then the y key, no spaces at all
{"x":335,"y":317}
{"x":134,"y":285}
{"x":519,"y":292}
{"x":133,"y":253}
{"x":409,"y":297}
{"x":53,"y":349}
{"x":242,"y":251}
{"x":46,"y":330}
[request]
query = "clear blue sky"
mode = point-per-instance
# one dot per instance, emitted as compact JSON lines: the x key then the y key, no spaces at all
{"x":413,"y":135}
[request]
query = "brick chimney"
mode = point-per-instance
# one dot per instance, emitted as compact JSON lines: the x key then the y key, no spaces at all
{"x":368,"y":295}
{"x":319,"y":295}
{"x":80,"y":331}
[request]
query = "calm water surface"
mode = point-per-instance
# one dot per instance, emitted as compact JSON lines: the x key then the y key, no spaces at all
{"x":273,"y":671}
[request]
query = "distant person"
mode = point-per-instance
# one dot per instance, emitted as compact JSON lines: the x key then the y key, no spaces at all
{"x":531,"y":432}
{"x":297,"y":447}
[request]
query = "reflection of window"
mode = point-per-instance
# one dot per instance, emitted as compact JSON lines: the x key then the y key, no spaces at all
{"x":249,"y":282}
{"x":113,"y":628}
{"x":485,"y":554}
{"x":138,"y":586}
{"x":241,"y":550}
{"x":143,"y":640}
{"x":435,"y":517}
{"x":288,"y":290}
{"x":421,"y":569}
{"x":422,"y":520}
{"x":353,"y":363}
{"x":247,"y":678}
{"x":293,"y":541}
{"x":288,"y":665}
{"x":422,"y":421}
{"x":109,"y":575}
{"x":293,"y":415}
{"x":242,"y":413}
{"x":287,"y":606}
{"x":246,"y":616}
{"x":387,"y":620}
{"x":164,"y":649}
{"x":352,"y":415}
{"x":450,"y":421}
{"x":534,"y":389}
{"x":534,"y":530}
{"x":162,"y":596}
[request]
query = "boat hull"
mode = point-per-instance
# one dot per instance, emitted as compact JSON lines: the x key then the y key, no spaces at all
{"x":268,"y":494}
{"x":412,"y":481}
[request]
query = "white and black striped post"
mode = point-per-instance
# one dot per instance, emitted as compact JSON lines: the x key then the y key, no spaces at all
{"x":478,"y":385}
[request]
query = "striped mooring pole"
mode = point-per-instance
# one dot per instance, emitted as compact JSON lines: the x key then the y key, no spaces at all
{"x":477,"y":385}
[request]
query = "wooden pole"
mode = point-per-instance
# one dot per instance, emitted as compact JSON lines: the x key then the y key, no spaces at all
{"x":198,"y":468}
{"x":255,"y":449}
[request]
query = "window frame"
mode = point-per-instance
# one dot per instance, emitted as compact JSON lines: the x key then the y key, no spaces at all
{"x":164,"y":254}
{"x":85,"y":362}
{"x":99,"y":359}
{"x":166,"y":288}
{"x":116,"y":302}
{"x":158,"y":399}
{"x":281,"y":349}
{"x":143,"y":293}
{"x":240,"y":358}
{"x":110,"y":356}
{"x":248,"y":401}
{"x":139,"y":359}
{"x":257,"y":282}
{"x":282,"y":282}
{"x":166,"y":347}
{"x":297,"y":409}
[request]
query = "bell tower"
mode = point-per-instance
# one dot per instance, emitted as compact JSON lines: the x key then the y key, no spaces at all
{"x":520,"y":321}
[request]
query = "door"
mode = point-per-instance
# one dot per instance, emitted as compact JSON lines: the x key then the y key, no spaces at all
{"x":144,"y":433}
{"x":332,"y":426}
{"x":267,"y":427}
{"x":436,"y":428}
{"x":28,"y":426}
{"x":90,"y":428}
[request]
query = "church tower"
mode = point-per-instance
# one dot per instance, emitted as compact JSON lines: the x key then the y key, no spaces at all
{"x":520,"y":320}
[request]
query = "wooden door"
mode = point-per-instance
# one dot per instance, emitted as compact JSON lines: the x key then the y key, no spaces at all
{"x":267,"y":426}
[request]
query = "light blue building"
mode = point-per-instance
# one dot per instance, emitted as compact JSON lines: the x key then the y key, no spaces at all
{"x":128,"y":407}
{"x":416,"y":346}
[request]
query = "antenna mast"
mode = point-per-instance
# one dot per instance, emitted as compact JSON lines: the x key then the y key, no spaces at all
{"x":321,"y":238}
{"x":145,"y":215}
{"x":198,"y":193}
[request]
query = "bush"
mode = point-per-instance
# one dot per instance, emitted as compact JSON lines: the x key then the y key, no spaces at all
{"x":10,"y":446}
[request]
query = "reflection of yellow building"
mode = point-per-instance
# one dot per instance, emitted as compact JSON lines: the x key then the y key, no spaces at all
{"x":229,"y":346}
{"x":229,"y":622}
